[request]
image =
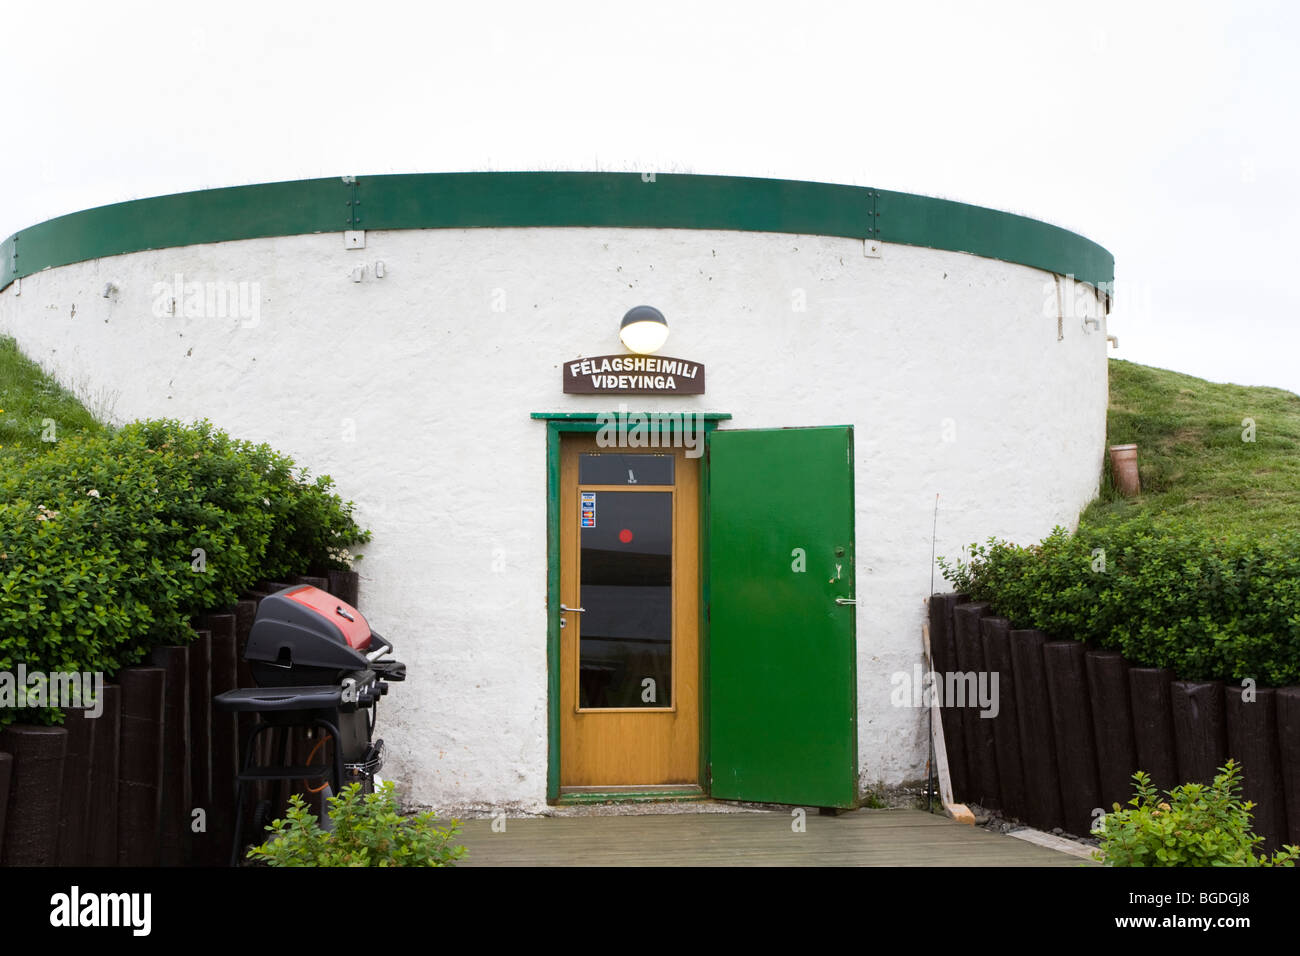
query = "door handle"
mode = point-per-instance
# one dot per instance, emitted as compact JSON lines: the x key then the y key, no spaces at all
{"x":565,"y":607}
{"x":843,"y":601}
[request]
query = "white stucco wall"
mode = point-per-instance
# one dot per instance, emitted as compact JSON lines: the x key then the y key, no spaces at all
{"x":414,"y":391}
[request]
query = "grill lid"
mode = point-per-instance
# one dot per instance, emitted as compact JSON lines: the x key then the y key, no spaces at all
{"x":304,"y":627}
{"x":348,"y":620}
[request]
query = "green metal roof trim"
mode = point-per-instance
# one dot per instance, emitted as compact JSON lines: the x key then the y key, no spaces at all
{"x":452,"y":200}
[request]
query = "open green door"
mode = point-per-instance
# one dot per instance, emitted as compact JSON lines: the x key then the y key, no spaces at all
{"x":782,"y":646}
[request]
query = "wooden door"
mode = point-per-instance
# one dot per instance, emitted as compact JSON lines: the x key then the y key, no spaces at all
{"x":629,"y":648}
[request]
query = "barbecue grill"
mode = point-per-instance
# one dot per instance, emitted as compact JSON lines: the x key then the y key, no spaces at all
{"x":317,"y":665}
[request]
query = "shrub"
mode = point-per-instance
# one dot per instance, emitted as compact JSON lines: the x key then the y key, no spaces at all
{"x":110,"y":544}
{"x":67,"y":600}
{"x":368,"y":831}
{"x":1196,"y":826}
{"x":1225,"y":607}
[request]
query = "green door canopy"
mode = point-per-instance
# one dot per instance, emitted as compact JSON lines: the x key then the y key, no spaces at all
{"x":782,"y":652}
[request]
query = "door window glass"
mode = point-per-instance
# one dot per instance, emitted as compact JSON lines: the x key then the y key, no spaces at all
{"x":625,"y":469}
{"x":626,"y":651}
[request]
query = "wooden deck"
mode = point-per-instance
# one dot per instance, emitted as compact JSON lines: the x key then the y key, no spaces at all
{"x":859,"y":838}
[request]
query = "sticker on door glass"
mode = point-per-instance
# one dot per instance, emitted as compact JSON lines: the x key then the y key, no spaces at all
{"x":588,"y":509}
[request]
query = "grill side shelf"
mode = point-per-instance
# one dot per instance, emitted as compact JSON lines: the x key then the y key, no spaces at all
{"x":269,"y":700}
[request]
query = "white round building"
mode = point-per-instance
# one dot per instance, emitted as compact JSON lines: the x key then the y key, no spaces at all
{"x":696,"y":569}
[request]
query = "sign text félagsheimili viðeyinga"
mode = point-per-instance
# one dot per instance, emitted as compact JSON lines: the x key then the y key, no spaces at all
{"x":633,"y":375}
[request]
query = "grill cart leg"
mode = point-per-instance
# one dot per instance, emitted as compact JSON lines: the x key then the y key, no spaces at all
{"x":240,"y":779}
{"x":250,"y":772}
{"x":338,"y":751}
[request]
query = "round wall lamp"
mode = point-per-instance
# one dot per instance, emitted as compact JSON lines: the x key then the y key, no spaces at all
{"x":644,"y":329}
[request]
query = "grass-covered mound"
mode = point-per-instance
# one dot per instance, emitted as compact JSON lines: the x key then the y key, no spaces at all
{"x":1193,"y":458}
{"x":34,"y":406}
{"x":1201,"y":572}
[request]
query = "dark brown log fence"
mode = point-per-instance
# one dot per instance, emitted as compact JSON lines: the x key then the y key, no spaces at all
{"x":1075,"y":723}
{"x":132,"y":786}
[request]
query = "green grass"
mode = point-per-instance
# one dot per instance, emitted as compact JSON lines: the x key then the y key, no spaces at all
{"x":29,"y":401}
{"x":1192,"y":460}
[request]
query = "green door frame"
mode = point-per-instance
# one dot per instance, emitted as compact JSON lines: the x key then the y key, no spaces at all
{"x":558,"y":423}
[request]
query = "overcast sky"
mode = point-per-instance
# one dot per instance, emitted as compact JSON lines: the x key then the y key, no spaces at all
{"x":1167,"y":132}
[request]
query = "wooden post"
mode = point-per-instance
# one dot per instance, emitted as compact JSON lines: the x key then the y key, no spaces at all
{"x":6,"y":775}
{"x":1112,"y":723}
{"x":177,"y":798}
{"x":1287,"y":707}
{"x":139,"y":785}
{"x":225,"y":736}
{"x":957,"y":811}
{"x":35,"y":793}
{"x":995,"y":634}
{"x":105,"y":768}
{"x":345,"y":585}
{"x":1200,"y":734}
{"x":200,"y":847}
{"x":943,"y":653}
{"x":1253,"y":742}
{"x":981,"y":748}
{"x":76,"y":789}
{"x":1037,"y":742}
{"x":1151,"y":697}
{"x":1067,"y":687}
{"x":245,"y":615}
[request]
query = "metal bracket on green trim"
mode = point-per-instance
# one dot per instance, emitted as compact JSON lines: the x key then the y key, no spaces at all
{"x":353,"y":202}
{"x":873,"y":214}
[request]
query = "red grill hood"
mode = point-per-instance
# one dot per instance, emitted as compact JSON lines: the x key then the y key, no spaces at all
{"x":352,"y":627}
{"x":303,"y":635}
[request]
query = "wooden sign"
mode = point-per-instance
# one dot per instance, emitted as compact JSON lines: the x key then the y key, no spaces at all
{"x":633,"y":375}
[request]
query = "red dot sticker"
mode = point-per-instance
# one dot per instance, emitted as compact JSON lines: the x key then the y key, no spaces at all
{"x":625,"y":536}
